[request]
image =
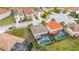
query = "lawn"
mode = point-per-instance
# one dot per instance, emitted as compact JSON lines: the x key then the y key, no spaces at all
{"x":7,"y":20}
{"x":21,"y":32}
{"x":68,"y":44}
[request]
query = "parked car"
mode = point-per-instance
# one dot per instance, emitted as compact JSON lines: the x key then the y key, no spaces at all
{"x":12,"y":27}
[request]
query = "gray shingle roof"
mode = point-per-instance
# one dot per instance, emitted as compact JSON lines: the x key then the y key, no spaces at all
{"x":39,"y":29}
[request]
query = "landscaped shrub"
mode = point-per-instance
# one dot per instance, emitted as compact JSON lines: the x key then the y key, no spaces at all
{"x":30,"y":47}
{"x":62,"y":23}
{"x":45,"y":14}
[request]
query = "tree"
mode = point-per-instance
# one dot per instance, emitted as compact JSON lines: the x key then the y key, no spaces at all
{"x":65,"y":10}
{"x":73,"y":14}
{"x":45,"y":14}
{"x":56,"y":10}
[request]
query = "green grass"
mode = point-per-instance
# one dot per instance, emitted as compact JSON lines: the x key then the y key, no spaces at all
{"x":18,"y":32}
{"x":68,"y":44}
{"x":7,"y":20}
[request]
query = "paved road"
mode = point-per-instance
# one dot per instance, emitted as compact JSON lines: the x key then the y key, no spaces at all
{"x":25,"y":24}
{"x":20,"y":25}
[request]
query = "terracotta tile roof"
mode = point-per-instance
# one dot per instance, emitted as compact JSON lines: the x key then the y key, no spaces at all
{"x":28,"y":10}
{"x":54,"y":25}
{"x":3,"y":10}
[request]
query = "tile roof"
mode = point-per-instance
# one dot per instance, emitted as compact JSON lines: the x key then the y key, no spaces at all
{"x":28,"y":10}
{"x":54,"y":25}
{"x":3,"y":10}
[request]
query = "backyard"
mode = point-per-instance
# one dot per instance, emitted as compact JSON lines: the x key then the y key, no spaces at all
{"x":64,"y":45}
{"x":7,"y":20}
{"x":68,"y":44}
{"x":21,"y":32}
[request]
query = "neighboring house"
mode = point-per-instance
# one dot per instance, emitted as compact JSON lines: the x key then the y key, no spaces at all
{"x":56,"y":29}
{"x":35,"y":20}
{"x":40,"y":33}
{"x":72,"y":28}
{"x":7,"y":41}
{"x":27,"y":12}
{"x":19,"y":16}
{"x":21,"y":13}
{"x":4,"y":13}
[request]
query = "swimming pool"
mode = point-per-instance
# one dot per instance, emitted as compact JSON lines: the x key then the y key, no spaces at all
{"x":60,"y":35}
{"x":44,"y":40}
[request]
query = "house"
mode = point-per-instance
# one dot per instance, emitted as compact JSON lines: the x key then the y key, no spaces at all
{"x":40,"y":33}
{"x":7,"y":41}
{"x":4,"y":12}
{"x":56,"y":29}
{"x":27,"y":12}
{"x":35,"y":19}
{"x":22,"y":13}
{"x":19,"y":15}
{"x":72,"y":28}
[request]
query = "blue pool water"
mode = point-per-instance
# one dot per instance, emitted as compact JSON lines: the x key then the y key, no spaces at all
{"x":60,"y":35}
{"x":44,"y":41}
